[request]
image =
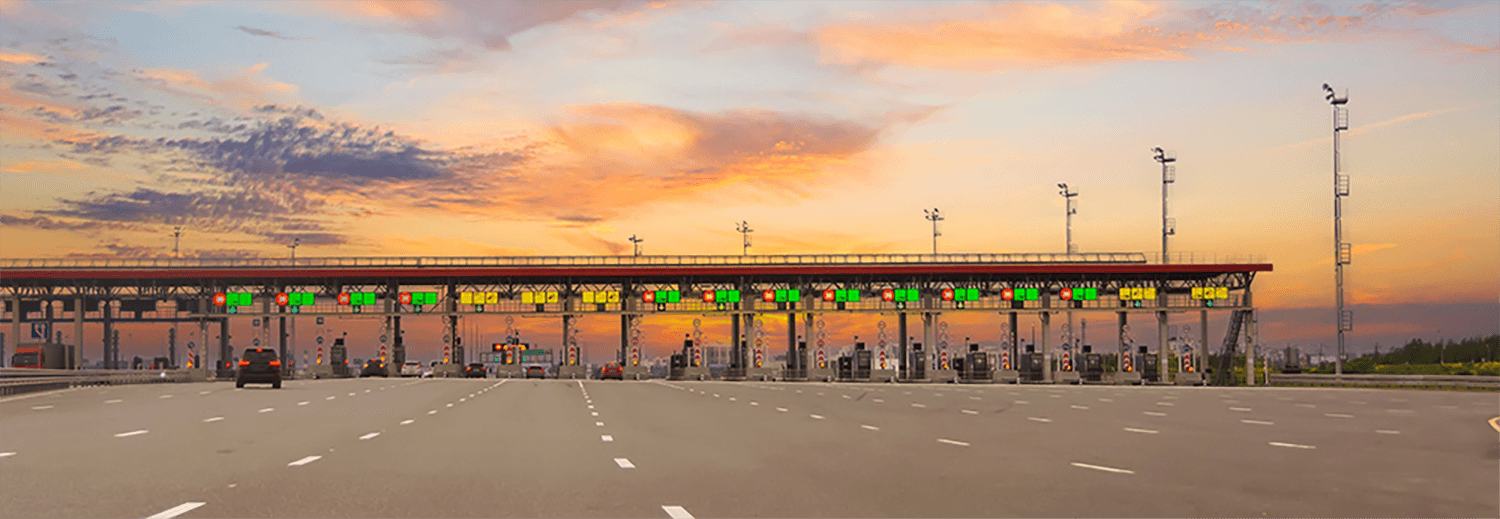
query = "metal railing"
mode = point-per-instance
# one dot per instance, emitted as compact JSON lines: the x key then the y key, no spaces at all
{"x":584,"y":261}
{"x":1477,"y":381}
{"x":1182,"y":258}
{"x":21,"y":380}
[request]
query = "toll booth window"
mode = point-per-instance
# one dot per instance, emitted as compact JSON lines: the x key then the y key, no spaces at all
{"x":24,"y":359}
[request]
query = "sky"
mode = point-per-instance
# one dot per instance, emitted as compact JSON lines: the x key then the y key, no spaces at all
{"x":455,"y":128}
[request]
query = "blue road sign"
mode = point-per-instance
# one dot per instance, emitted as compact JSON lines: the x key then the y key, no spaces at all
{"x":39,"y":330}
{"x":320,"y":321}
{"x":320,"y":340}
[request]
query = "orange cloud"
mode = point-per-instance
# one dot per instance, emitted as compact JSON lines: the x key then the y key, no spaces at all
{"x":242,"y":89}
{"x":983,"y":37}
{"x":20,"y":58}
{"x":604,"y":158}
{"x":403,"y":10}
{"x":44,"y":166}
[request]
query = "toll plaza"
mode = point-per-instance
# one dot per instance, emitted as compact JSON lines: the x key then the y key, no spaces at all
{"x":382,"y":292}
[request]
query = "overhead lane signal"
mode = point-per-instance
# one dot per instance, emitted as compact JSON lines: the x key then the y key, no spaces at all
{"x":1209,"y":294}
{"x":785,"y":295}
{"x":1136,"y":295}
{"x":601,"y":297}
{"x":538,"y":298}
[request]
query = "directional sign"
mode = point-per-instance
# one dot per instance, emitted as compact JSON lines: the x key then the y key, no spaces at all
{"x":39,"y":330}
{"x":255,"y":342}
{"x":320,"y":321}
{"x":191,"y":345}
{"x":320,"y":340}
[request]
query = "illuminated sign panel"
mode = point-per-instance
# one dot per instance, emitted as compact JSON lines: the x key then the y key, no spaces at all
{"x":1021,"y":294}
{"x":722,"y":296}
{"x":537,"y":298}
{"x":1138,"y":293}
{"x":788,"y":295}
{"x":478,"y":298}
{"x":601,"y":297}
{"x":1210,"y":292}
{"x":1079,"y":294}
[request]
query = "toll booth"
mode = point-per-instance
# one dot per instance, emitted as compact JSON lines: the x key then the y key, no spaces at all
{"x":338,"y":358}
{"x":1006,"y":368}
{"x":796,"y":366}
{"x":683,"y":367}
{"x":918,"y":363}
{"x":1148,"y":365}
{"x":1092,"y":365}
{"x":1188,"y":373}
{"x":975,"y":366}
{"x":1031,"y":365}
{"x":846,"y":367}
{"x":863,"y":362}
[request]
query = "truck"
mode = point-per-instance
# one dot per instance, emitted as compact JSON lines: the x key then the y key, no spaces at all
{"x":42,"y":355}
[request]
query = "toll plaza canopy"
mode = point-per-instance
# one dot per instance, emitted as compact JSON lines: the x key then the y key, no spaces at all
{"x":642,"y":284}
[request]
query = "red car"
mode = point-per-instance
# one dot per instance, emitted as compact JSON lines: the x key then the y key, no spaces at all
{"x":612,"y":370}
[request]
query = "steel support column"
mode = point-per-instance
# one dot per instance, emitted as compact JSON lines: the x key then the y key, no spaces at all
{"x":1250,"y":341}
{"x":450,"y":304}
{"x":905,"y":344}
{"x":110,"y":358}
{"x":226,"y":356}
{"x":77,"y":352}
{"x":735,"y":359}
{"x":1161,"y":347}
{"x":791,"y":340}
{"x":281,"y":335}
{"x":929,"y":345}
{"x":1015,"y":344}
{"x":1200,"y":361}
{"x":624,"y":357}
{"x":1046,"y":351}
{"x":15,"y":324}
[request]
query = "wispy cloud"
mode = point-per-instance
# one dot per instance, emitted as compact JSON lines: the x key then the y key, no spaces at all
{"x":262,"y":32}
{"x":1358,"y":130}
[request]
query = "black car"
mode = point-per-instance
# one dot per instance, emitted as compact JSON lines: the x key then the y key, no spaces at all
{"x":474,"y":370}
{"x":259,"y":366}
{"x":536,"y":372}
{"x":374,"y":368}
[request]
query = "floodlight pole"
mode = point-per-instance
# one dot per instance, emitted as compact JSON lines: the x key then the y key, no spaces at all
{"x":934,"y":216}
{"x":1341,"y":251}
{"x":293,"y":246}
{"x":744,"y":229}
{"x":176,"y":238}
{"x":636,"y":242}
{"x":1168,"y":176}
{"x":1070,"y":208}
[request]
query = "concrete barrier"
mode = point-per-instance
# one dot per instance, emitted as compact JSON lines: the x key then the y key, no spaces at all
{"x":15,"y":381}
{"x":1472,"y":381}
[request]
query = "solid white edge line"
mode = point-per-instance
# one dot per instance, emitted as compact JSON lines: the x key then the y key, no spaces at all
{"x":1106,"y":469}
{"x":176,"y":510}
{"x":676,"y":512}
{"x":624,"y":463}
{"x":304,"y":461}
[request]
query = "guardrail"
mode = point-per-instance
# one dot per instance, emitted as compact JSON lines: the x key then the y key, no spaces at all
{"x":1472,"y":381}
{"x":15,"y":381}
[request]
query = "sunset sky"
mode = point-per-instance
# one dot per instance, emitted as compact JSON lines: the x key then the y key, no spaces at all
{"x":425,"y":128}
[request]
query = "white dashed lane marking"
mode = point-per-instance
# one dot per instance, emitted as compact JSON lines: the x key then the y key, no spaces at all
{"x":1165,"y":403}
{"x":176,"y":510}
{"x":1083,"y":407}
{"x":624,"y":463}
{"x":368,"y":436}
{"x":1292,"y":445}
{"x":676,"y":512}
{"x":304,"y":402}
{"x":7,"y":454}
{"x":598,"y":424}
{"x":871,"y":427}
{"x":165,"y":396}
{"x":434,"y":411}
{"x":816,"y":417}
{"x":113,"y":401}
{"x":1337,"y":415}
{"x":1257,"y":422}
{"x":1150,"y":413}
{"x":268,"y":409}
{"x":1106,"y":469}
{"x":918,"y":405}
{"x":1143,"y":431}
{"x":131,"y":433}
{"x":1035,"y":419}
{"x":1383,"y":431}
{"x":304,"y":461}
{"x":879,"y":401}
{"x":1023,"y":402}
{"x":782,"y":409}
{"x":607,"y":438}
{"x":40,"y":407}
{"x":952,"y":442}
{"x":1240,"y":409}
{"x":330,"y":398}
{"x":407,"y":422}
{"x":214,"y":419}
{"x":966,"y":411}
{"x":1307,"y":405}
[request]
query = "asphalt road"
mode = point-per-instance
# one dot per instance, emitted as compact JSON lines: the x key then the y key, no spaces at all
{"x":527,"y":448}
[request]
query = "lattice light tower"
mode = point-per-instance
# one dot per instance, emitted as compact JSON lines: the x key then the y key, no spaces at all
{"x":1168,"y":176}
{"x":1070,"y":209}
{"x":1341,"y":250}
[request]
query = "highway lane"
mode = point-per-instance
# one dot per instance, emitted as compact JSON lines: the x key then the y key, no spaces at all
{"x":535,"y":448}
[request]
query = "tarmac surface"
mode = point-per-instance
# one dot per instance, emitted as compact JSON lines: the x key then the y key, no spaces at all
{"x":554,"y":448}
